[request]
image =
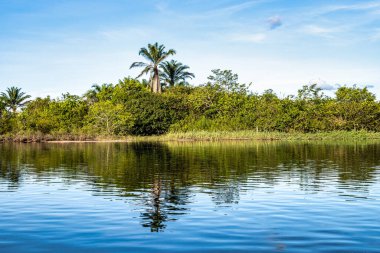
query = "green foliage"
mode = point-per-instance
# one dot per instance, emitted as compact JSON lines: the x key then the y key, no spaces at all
{"x":107,"y":118}
{"x":356,"y":108}
{"x":38,"y":116}
{"x":227,"y":80}
{"x":70,"y":111}
{"x":354,"y":94}
{"x":222,"y":104}
{"x":153,"y":114}
{"x":99,"y":93}
{"x":5,"y":117}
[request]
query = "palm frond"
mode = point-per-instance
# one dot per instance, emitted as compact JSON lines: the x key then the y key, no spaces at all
{"x":174,"y":73}
{"x":138,"y":65}
{"x":14,"y":98}
{"x":145,"y":71}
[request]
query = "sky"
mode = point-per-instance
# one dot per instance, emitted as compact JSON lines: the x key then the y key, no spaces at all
{"x":53,"y":47}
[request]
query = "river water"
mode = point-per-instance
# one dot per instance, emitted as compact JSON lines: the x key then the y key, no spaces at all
{"x":190,"y":197}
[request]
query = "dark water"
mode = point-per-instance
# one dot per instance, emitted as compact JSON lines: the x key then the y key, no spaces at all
{"x":190,"y":197}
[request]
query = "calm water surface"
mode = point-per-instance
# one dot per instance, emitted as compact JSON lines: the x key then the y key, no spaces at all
{"x":190,"y":197}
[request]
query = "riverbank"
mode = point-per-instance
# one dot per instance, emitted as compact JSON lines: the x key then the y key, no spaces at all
{"x":194,"y":136}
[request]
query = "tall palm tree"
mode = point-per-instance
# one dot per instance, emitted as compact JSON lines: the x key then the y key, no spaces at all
{"x":154,"y":54}
{"x":14,"y":98}
{"x":174,"y":73}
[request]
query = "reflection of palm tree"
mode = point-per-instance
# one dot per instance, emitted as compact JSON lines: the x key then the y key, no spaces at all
{"x":155,"y":216}
{"x":165,"y":204}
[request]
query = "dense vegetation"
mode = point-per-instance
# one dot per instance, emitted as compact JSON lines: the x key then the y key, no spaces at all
{"x":222,"y":104}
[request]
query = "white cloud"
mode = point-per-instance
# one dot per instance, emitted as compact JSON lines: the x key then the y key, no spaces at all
{"x":319,"y":30}
{"x":125,"y":33}
{"x":232,"y":9}
{"x":322,"y":84}
{"x":353,"y":7}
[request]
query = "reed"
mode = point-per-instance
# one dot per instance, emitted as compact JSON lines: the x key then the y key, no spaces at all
{"x":27,"y":137}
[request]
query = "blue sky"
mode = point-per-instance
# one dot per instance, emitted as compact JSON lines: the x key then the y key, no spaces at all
{"x":51,"y":47}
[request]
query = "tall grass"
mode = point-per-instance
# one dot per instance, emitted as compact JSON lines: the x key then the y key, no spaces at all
{"x":196,"y":135}
{"x":254,"y":135}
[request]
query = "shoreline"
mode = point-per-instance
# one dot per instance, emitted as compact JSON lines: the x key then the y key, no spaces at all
{"x":195,"y":136}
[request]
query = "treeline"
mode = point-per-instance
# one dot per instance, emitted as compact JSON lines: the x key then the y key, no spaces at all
{"x":130,"y":108}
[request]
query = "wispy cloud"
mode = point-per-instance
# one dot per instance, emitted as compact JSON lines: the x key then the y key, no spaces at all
{"x":124,"y":33}
{"x":232,"y":9}
{"x":354,"y":7}
{"x":320,"y":31}
{"x":254,"y":38}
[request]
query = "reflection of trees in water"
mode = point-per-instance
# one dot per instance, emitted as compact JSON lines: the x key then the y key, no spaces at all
{"x":167,"y":171}
{"x":11,"y":174}
{"x":9,"y":170}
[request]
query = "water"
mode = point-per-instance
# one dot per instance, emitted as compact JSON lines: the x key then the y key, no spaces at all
{"x":190,"y":197}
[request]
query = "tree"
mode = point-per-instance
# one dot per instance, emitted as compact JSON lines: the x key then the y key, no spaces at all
{"x":227,"y":80}
{"x":310,"y":93}
{"x":356,"y":108}
{"x":38,"y":116}
{"x":110,"y":119}
{"x":174,"y":73}
{"x":13,"y":98}
{"x":4,"y":119}
{"x":70,"y":111}
{"x":155,"y":54}
{"x":354,"y":94}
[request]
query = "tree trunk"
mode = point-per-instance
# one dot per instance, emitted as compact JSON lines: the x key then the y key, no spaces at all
{"x":156,"y":85}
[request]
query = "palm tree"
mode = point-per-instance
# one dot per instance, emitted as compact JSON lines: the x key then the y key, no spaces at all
{"x":155,"y":54}
{"x":92,"y":95}
{"x":14,"y":98}
{"x":174,"y":73}
{"x":2,"y":107}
